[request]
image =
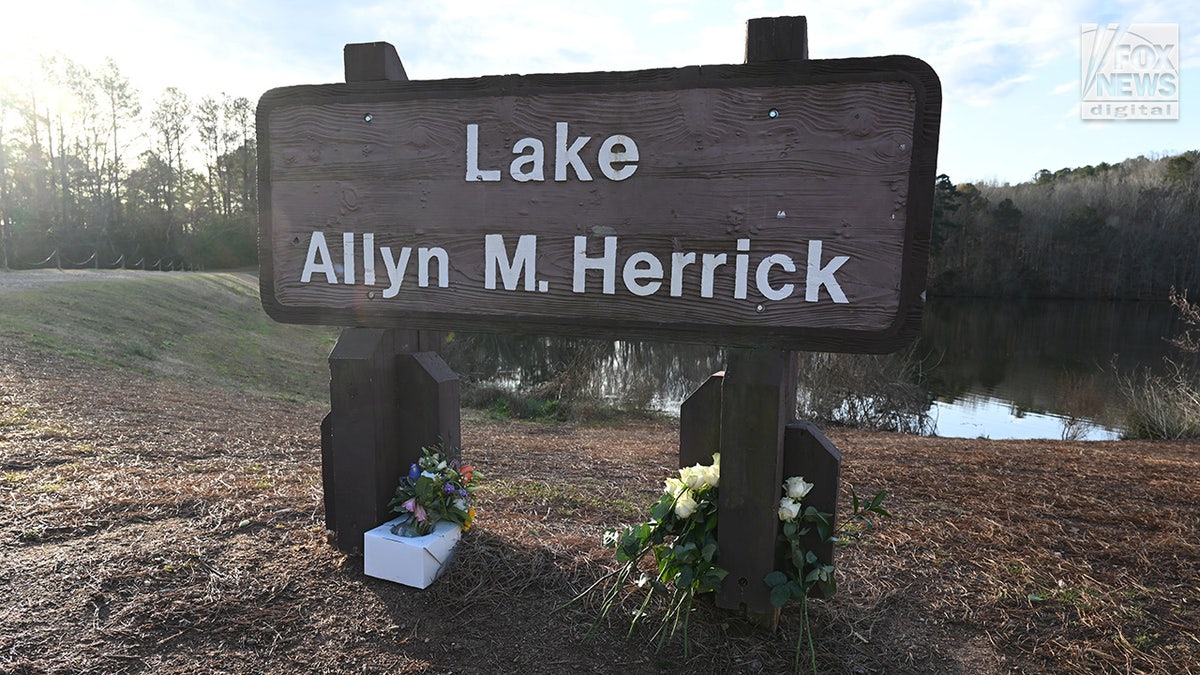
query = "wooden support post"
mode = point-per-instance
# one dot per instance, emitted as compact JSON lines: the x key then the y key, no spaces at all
{"x":745,"y":414}
{"x":390,"y":393}
{"x":428,"y":405}
{"x":371,"y":62}
{"x":753,"y":415}
{"x":700,"y":423}
{"x":782,"y":38}
{"x":806,"y":452}
{"x":364,"y":463}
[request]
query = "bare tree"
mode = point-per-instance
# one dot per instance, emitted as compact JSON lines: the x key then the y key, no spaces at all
{"x":242,"y":118}
{"x":170,"y":121}
{"x":123,"y":107}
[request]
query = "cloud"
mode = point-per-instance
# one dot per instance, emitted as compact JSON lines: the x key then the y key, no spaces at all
{"x":1065,"y":88}
{"x":981,"y":51}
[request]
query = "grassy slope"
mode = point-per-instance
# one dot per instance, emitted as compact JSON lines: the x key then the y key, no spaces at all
{"x":205,"y":327}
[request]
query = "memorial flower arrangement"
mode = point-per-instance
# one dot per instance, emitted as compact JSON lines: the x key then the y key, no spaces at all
{"x":434,"y":490}
{"x":804,"y":572}
{"x":680,"y":541}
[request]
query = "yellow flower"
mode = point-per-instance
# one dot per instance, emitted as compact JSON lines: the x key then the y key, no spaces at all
{"x":470,"y":519}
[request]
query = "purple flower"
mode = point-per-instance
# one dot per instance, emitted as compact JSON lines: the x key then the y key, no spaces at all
{"x":414,"y":472}
{"x":448,"y":488}
{"x":461,"y":493}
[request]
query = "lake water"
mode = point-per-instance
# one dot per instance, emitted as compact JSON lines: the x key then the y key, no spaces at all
{"x":1038,"y":369}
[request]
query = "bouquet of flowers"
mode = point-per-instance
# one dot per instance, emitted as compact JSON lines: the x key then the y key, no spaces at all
{"x":804,"y":572}
{"x":680,"y":540}
{"x":434,"y":490}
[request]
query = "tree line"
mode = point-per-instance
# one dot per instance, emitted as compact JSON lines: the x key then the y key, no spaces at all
{"x":85,"y":171}
{"x":88,"y":176}
{"x":1129,"y":230}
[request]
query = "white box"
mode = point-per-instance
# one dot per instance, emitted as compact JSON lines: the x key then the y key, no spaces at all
{"x":412,"y":561}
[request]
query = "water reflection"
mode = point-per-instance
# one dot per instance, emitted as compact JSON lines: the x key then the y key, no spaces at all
{"x":991,"y":368}
{"x":974,"y":416}
{"x":649,"y":375}
{"x":1045,"y":369}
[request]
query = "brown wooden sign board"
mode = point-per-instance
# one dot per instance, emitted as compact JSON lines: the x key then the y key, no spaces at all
{"x":782,"y":205}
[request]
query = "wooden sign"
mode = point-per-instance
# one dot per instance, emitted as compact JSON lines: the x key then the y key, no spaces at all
{"x":781,"y":205}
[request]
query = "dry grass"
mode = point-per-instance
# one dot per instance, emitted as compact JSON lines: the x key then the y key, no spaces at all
{"x":157,"y":527}
{"x":151,"y":524}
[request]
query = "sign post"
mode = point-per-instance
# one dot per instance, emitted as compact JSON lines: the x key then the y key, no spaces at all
{"x":390,"y":394}
{"x":758,"y":400}
{"x":779,"y":205}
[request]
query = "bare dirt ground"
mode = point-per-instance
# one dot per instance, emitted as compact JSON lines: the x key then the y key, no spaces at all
{"x":160,"y":526}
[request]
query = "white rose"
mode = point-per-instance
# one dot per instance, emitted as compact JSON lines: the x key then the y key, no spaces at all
{"x":685,"y":505}
{"x":699,"y":476}
{"x":796,"y":488}
{"x":788,"y":509}
{"x":674,"y":487}
{"x":692,"y":476}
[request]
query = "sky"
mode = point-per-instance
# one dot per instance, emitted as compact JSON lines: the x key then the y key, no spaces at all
{"x":1011,"y":72}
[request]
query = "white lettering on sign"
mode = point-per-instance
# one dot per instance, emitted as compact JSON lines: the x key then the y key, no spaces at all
{"x":627,"y":157}
{"x":607,"y":264}
{"x":523,"y":262}
{"x":617,"y":157}
{"x":319,"y":261}
{"x":473,"y":172}
{"x":508,"y":267}
{"x":643,"y":272}
{"x":818,"y":276}
{"x":317,"y":248}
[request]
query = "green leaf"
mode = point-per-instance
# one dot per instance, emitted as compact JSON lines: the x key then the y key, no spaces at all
{"x":686,"y":576}
{"x":661,"y":510}
{"x":781,"y":594}
{"x":825,"y":531}
{"x":775,"y":578}
{"x":878,"y":499}
{"x":684,"y":550}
